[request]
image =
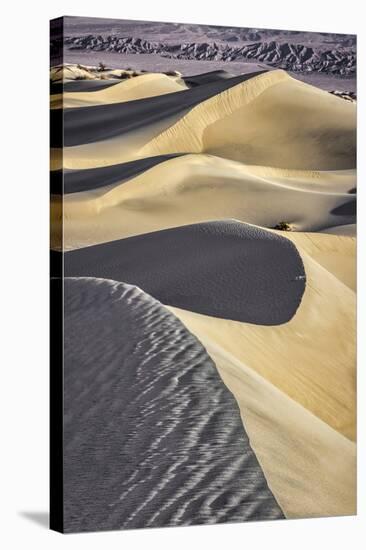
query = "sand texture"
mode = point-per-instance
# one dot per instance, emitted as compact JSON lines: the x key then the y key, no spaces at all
{"x":152,"y":435}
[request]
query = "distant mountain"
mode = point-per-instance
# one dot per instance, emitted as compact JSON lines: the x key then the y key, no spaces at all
{"x":290,"y":56}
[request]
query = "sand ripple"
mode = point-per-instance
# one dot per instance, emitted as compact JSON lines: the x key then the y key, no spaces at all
{"x":152,"y":435}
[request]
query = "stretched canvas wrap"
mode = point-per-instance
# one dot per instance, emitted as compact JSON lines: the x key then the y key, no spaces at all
{"x":203,"y":211}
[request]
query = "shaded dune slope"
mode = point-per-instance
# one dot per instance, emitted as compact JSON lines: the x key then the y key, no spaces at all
{"x":224,"y":269}
{"x":91,"y":124}
{"x":206,"y":78}
{"x":75,"y":181}
{"x":81,"y":85}
{"x":152,"y":436}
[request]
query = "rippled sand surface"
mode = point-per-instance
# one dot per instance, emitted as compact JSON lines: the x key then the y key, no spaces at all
{"x":152,"y":435}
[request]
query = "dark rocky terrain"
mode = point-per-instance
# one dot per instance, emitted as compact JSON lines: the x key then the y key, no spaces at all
{"x":348,"y":96}
{"x":294,"y":57}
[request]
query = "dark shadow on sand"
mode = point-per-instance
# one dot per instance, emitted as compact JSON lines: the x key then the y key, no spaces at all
{"x":346,"y":209}
{"x":75,"y":181}
{"x":224,"y":269}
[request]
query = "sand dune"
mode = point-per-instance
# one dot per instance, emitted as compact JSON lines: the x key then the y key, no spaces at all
{"x":311,"y":358}
{"x":271,"y":120}
{"x":152,"y":437}
{"x":103,"y":122}
{"x":139,"y":87}
{"x":310,"y":468}
{"x":268,"y":119}
{"x":217,"y":268}
{"x":195,"y":188}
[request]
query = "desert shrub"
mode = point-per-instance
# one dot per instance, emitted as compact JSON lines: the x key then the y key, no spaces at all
{"x":283,"y":226}
{"x":101,"y":67}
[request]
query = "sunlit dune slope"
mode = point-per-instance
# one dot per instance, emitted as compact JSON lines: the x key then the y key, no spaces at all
{"x":139,"y":87}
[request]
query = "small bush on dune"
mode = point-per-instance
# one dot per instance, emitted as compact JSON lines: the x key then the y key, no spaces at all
{"x":283,"y":226}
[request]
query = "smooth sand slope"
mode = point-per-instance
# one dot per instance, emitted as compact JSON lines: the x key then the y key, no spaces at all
{"x":139,"y":87}
{"x":216,"y":268}
{"x":336,"y":253}
{"x":194,"y":188}
{"x":152,"y":436}
{"x":348,"y":229}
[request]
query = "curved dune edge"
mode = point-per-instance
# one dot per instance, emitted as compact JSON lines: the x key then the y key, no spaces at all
{"x":197,"y":188}
{"x":139,"y":87}
{"x":280,"y":106}
{"x":310,"y":468}
{"x":311,"y":358}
